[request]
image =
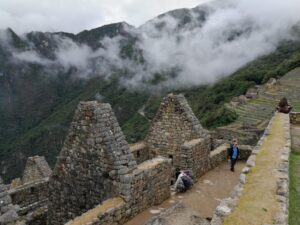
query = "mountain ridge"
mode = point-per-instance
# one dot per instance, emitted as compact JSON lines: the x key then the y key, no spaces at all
{"x":37,"y":104}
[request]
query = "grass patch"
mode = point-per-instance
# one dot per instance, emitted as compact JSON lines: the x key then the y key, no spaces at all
{"x":294,"y":198}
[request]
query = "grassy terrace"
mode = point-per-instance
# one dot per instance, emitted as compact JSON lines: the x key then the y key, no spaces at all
{"x":294,"y":198}
{"x":257,"y":111}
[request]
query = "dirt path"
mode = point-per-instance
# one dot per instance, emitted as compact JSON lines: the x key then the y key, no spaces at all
{"x":258,"y":204}
{"x":202,"y":199}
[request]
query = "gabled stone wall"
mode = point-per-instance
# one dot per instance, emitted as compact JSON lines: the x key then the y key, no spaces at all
{"x":31,"y":193}
{"x":36,"y":168}
{"x":90,"y":167}
{"x":173,"y":124}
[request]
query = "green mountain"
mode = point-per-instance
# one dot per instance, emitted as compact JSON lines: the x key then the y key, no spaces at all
{"x":38,"y":93}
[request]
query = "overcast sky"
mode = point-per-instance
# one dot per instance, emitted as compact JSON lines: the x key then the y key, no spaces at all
{"x":77,"y":15}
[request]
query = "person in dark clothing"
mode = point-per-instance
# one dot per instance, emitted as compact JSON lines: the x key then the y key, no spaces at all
{"x":183,"y":182}
{"x":283,"y":106}
{"x":177,"y":172}
{"x":233,"y":154}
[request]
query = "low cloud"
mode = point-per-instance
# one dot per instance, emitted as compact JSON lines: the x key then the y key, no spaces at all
{"x":77,"y":15}
{"x":231,"y":34}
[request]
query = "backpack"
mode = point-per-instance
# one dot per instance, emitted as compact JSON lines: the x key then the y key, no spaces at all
{"x":187,"y":181}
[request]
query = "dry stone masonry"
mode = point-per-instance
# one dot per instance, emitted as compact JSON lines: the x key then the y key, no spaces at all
{"x":195,"y":156}
{"x":96,"y":166}
{"x":295,"y":117}
{"x":31,"y":193}
{"x":36,"y":168}
{"x":93,"y":159}
{"x":100,"y":180}
{"x":8,"y":212}
{"x":173,"y":125}
{"x":140,"y":152}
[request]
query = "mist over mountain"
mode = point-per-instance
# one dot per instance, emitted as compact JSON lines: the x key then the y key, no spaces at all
{"x":181,"y":48}
{"x":44,"y":75}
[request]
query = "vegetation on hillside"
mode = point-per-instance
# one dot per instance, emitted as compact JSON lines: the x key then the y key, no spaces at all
{"x":28,"y":128}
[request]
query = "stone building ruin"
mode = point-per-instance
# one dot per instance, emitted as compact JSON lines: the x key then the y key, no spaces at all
{"x":30,"y":194}
{"x":100,"y":179}
{"x":8,"y":211}
{"x":177,"y":134}
{"x":36,"y":168}
{"x":96,"y":166}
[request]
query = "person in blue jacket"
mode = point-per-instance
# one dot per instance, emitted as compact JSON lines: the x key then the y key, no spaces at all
{"x":233,"y":154}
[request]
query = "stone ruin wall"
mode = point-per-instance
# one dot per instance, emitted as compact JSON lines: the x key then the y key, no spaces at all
{"x":94,"y":157}
{"x":30,"y":196}
{"x":36,"y":168}
{"x":174,"y":124}
{"x":140,"y":152}
{"x":96,"y":164}
{"x":195,"y":156}
{"x":8,"y":211}
{"x":246,"y":137}
{"x":219,"y":155}
{"x":148,"y":185}
{"x":295,"y":118}
{"x":31,"y":193}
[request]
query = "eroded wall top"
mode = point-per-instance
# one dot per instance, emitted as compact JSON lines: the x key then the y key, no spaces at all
{"x":36,"y":168}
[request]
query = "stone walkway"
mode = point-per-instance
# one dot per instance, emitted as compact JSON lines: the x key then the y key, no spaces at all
{"x":258,"y":204}
{"x":201,"y":200}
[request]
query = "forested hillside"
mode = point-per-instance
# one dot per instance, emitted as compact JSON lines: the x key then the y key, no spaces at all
{"x":40,"y":86}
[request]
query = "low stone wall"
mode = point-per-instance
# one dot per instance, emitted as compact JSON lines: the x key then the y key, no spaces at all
{"x":219,"y":155}
{"x":195,"y":156}
{"x":108,"y":213}
{"x":146,"y":186}
{"x":140,"y":152}
{"x":36,"y":217}
{"x":30,"y":196}
{"x":245,"y":151}
{"x":150,"y":184}
{"x":295,"y":117}
{"x":249,"y":137}
{"x":227,"y":206}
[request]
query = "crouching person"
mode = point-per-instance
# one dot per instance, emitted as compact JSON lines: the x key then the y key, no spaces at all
{"x":184,"y":182}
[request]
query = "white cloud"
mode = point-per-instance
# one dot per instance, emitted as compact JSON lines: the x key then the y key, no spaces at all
{"x":77,"y":15}
{"x":235,"y":33}
{"x":31,"y":57}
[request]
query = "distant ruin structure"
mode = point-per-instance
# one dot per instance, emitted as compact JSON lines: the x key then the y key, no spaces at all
{"x":31,"y":192}
{"x":8,"y":211}
{"x":36,"y":168}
